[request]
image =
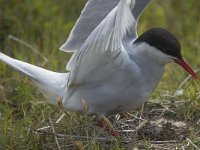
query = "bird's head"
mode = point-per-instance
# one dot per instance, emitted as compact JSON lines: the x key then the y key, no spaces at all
{"x":165,"y":47}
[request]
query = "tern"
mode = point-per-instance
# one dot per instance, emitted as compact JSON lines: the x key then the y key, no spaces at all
{"x":112,"y":68}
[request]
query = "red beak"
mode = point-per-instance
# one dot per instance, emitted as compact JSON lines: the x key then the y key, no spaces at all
{"x":187,"y":67}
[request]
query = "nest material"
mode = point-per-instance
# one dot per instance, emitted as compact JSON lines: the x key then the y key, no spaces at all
{"x":133,"y":128}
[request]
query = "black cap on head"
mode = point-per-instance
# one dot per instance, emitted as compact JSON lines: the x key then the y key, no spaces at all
{"x":163,"y":40}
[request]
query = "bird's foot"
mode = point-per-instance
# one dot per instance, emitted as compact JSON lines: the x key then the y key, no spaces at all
{"x":105,"y":124}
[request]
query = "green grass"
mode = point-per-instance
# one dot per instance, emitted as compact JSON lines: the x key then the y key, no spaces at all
{"x":45,"y":26}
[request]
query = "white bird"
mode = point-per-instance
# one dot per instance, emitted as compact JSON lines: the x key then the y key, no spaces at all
{"x":112,"y":69}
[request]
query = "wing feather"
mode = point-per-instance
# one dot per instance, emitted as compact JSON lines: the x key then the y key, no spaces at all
{"x":92,"y":15}
{"x":103,"y":53}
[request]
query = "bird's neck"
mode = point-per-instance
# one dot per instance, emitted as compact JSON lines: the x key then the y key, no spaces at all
{"x":151,"y":69}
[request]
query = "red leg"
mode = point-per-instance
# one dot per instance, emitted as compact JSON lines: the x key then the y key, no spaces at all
{"x":104,"y":124}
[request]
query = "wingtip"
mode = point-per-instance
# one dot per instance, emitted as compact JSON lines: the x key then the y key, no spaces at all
{"x":62,"y":48}
{"x":66,"y":48}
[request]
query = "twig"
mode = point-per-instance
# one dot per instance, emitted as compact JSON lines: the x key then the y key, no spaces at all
{"x":29,"y":46}
{"x":141,"y":125}
{"x":43,"y":128}
{"x":165,"y":110}
{"x":188,"y":144}
{"x":198,"y":122}
{"x":139,"y":118}
{"x":61,"y":117}
{"x":75,"y":137}
{"x":56,"y":139}
{"x":46,"y":127}
{"x":125,"y":131}
{"x":198,"y":95}
{"x":184,"y":81}
{"x":192,"y":143}
{"x":163,"y":142}
{"x":142,"y":110}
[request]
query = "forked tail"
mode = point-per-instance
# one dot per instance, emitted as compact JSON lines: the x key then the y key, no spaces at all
{"x":51,"y":84}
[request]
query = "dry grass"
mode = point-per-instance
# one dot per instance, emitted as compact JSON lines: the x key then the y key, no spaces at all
{"x":156,"y":126}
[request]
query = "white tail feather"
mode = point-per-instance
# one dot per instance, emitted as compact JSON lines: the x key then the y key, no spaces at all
{"x":51,"y":84}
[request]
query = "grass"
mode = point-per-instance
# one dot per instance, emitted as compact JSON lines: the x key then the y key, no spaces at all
{"x":167,"y":121}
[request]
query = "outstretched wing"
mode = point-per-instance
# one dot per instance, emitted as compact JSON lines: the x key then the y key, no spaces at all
{"x":103,"y":53}
{"x":93,"y":13}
